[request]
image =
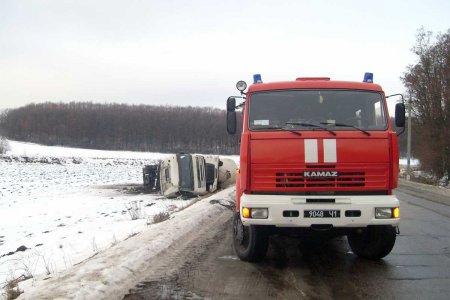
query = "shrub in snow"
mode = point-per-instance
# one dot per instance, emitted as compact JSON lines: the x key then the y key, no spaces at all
{"x":135,"y":210}
{"x":77,"y":160}
{"x":161,"y":217}
{"x":4,"y":145}
{"x":12,"y":290}
{"x":444,"y":181}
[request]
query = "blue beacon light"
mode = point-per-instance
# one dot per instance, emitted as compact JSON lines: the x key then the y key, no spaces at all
{"x":257,"y":78}
{"x":368,"y":77}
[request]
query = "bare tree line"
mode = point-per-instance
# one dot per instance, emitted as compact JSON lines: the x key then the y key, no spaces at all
{"x":121,"y":127}
{"x":428,"y":86}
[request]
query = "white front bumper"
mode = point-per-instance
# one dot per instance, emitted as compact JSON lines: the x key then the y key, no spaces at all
{"x":276,"y":204}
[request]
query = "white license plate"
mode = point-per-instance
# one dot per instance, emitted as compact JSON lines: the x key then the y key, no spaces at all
{"x":322,"y":213}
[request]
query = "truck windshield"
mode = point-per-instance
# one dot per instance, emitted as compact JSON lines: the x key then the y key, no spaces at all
{"x":310,"y":109}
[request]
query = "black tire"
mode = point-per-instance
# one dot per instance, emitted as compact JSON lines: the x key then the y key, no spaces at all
{"x":250,"y":242}
{"x":373,"y":242}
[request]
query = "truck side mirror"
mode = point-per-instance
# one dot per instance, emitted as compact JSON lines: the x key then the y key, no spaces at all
{"x":400,"y":115}
{"x":231,"y":115}
{"x":231,"y":104}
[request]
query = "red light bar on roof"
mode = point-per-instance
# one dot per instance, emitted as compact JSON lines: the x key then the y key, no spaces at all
{"x":313,"y":79}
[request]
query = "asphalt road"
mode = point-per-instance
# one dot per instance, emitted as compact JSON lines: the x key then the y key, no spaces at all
{"x":206,"y":267}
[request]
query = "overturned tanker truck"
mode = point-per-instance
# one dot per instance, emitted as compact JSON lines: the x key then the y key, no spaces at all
{"x":189,"y":175}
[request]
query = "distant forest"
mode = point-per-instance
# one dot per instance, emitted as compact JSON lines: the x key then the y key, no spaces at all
{"x":168,"y":129}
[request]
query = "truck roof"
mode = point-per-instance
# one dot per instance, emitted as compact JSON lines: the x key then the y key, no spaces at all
{"x":314,"y":84}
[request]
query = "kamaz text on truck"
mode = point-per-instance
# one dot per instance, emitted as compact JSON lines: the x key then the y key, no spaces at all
{"x":317,"y":156}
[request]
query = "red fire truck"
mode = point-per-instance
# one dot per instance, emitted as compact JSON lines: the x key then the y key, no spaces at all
{"x":316,"y":156}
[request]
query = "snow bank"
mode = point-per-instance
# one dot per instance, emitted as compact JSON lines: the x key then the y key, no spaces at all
{"x":111,"y":273}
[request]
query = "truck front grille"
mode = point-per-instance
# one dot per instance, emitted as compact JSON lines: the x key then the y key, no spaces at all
{"x":350,"y":177}
{"x":345,"y":179}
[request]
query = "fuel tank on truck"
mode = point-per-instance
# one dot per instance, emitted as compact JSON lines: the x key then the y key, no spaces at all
{"x":227,"y":172}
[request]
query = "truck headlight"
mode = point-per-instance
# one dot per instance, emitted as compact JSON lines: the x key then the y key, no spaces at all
{"x":255,"y":213}
{"x":259,"y":213}
{"x":387,"y":213}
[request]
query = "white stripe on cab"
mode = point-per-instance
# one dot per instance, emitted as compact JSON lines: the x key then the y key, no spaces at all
{"x":311,"y":151}
{"x":329,"y":151}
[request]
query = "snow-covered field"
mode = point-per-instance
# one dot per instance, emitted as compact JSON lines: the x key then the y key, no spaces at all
{"x":62,"y":205}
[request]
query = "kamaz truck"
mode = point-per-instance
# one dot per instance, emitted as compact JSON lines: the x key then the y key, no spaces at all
{"x":317,"y":157}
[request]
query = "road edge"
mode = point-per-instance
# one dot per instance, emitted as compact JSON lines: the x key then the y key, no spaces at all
{"x":429,"y":192}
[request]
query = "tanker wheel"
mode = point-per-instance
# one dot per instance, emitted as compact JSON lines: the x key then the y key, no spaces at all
{"x":373,"y":242}
{"x":250,"y":242}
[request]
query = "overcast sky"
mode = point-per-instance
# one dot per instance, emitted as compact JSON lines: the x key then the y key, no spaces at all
{"x":193,"y":52}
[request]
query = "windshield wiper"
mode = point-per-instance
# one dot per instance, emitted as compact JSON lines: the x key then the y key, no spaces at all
{"x":346,"y":125}
{"x":311,"y":125}
{"x":279,"y":128}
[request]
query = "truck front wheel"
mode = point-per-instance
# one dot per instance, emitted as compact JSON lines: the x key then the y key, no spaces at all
{"x":250,"y":242}
{"x":373,"y":242}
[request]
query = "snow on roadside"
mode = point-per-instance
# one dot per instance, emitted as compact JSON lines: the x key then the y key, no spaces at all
{"x":34,"y":150}
{"x":59,"y":206}
{"x":110,"y":273}
{"x":63,"y":205}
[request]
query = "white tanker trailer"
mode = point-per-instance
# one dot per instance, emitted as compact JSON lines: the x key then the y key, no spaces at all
{"x":189,"y":175}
